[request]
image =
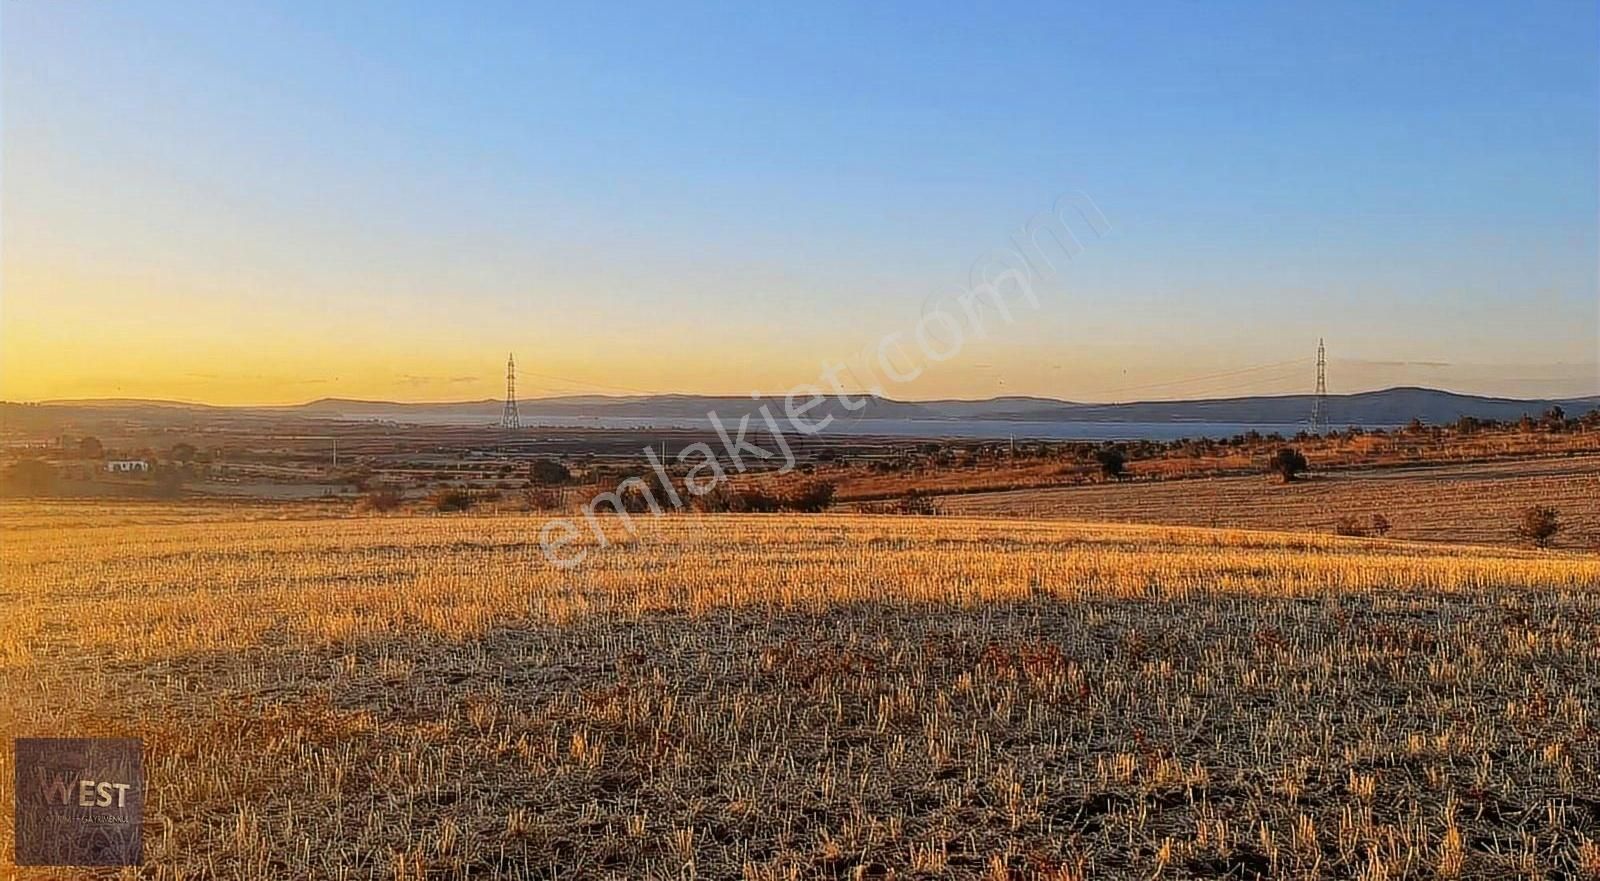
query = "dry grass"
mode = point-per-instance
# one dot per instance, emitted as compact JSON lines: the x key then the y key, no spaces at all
{"x":1477,"y":504}
{"x":1511,"y":447}
{"x":812,"y":696}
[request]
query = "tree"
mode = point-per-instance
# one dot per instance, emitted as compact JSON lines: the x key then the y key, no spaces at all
{"x":1113,"y":462}
{"x":548,"y":472}
{"x":813,"y":497}
{"x":1381,"y":525}
{"x":91,"y":448}
{"x":448,"y":500}
{"x":1288,"y":462}
{"x":1539,"y":525}
{"x":182,"y":452}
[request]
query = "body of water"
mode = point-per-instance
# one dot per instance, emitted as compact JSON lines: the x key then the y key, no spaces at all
{"x":995,"y":429}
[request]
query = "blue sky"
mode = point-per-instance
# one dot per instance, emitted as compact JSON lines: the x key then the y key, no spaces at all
{"x":279,"y":201}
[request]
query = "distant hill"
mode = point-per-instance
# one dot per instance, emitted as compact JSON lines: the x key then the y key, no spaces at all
{"x":127,"y":404}
{"x":665,"y":407}
{"x":1387,"y":407}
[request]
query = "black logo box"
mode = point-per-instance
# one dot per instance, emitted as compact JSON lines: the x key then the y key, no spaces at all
{"x":80,"y":801}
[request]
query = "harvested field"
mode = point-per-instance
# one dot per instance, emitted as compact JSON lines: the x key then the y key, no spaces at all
{"x":1457,"y":503}
{"x":811,"y":697}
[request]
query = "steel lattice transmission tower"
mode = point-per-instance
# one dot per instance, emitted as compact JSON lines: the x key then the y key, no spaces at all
{"x":1319,"y":408}
{"x":508,"y":416}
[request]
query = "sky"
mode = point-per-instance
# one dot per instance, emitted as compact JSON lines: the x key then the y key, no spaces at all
{"x":278,"y":202}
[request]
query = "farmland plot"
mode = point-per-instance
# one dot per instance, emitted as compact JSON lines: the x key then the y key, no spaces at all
{"x":774,"y":696}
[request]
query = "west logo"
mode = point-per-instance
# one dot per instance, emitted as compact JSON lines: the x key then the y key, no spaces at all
{"x":80,"y":802}
{"x":60,"y":789}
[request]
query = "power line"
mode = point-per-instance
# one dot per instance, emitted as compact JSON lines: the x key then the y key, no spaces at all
{"x":584,"y":384}
{"x":1282,"y":383}
{"x":1205,"y":377}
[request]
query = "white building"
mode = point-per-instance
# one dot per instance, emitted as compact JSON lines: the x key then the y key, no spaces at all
{"x":122,"y":465}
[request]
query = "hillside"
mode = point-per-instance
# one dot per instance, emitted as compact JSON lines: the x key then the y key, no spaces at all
{"x":1386,"y":407}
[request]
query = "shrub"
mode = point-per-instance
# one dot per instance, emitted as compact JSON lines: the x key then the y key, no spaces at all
{"x":448,"y":500}
{"x":917,"y":503}
{"x":757,"y":501}
{"x":381,"y":501}
{"x":1288,"y":462}
{"x":545,"y":499}
{"x":1113,"y":462}
{"x":1350,"y":525}
{"x":548,"y":472}
{"x":1539,"y":525}
{"x":812,"y":497}
{"x":1381,"y":525}
{"x":725,"y":499}
{"x":637,"y":499}
{"x":720,"y":500}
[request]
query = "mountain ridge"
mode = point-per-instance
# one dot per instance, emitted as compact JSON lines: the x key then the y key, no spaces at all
{"x":1395,"y":405}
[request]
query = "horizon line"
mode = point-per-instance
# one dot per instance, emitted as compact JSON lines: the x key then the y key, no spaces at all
{"x":175,"y":402}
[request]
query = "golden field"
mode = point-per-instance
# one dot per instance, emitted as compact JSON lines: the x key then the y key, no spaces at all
{"x":810,"y":696}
